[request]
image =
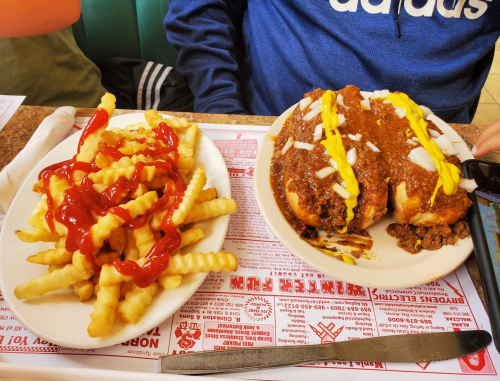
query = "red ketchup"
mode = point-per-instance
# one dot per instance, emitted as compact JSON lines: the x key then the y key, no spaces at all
{"x":99,"y":119}
{"x":159,"y":256}
{"x":76,"y":211}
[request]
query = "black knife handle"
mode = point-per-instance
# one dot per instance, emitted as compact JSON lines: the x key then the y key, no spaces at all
{"x":234,"y":360}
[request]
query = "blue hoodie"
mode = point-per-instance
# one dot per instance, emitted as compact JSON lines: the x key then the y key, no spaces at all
{"x":261,"y":56}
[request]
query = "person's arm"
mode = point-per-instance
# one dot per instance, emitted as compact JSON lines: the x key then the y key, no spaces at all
{"x":204,"y":34}
{"x":33,"y":17}
{"x":488,"y":141}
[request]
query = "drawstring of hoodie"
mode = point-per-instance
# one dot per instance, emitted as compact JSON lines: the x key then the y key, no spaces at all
{"x":396,"y":5}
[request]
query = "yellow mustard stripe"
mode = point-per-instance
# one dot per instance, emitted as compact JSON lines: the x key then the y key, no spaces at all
{"x":448,"y":173}
{"x":333,"y":144}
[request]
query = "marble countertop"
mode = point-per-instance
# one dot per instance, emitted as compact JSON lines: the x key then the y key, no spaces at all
{"x":17,"y":132}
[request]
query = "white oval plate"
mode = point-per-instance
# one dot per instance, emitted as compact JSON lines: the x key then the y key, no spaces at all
{"x":59,"y":317}
{"x":390,"y":266}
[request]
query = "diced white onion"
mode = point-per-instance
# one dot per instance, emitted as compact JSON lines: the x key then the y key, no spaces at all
{"x":340,"y":100}
{"x":415,"y":139}
{"x":322,"y":173}
{"x":365,"y":103}
{"x":341,"y":120}
{"x":311,"y":114}
{"x":341,"y":191}
{"x":288,"y":144}
{"x":352,"y":156}
{"x":468,"y":184}
{"x":387,"y":102}
{"x":380,"y":94}
{"x":318,"y":132}
{"x":343,"y":136}
{"x":421,"y":157}
{"x":315,"y":103}
{"x":302,"y":145}
{"x":447,"y":146}
{"x":356,"y":137}
{"x":411,"y":142}
{"x":372,"y":146}
{"x":333,"y":163}
{"x":344,"y":184}
{"x":433,"y":133}
{"x":401,"y":113}
{"x":426,"y":110}
{"x":304,"y":103}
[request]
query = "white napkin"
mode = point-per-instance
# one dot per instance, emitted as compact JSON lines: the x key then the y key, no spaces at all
{"x":51,"y":132}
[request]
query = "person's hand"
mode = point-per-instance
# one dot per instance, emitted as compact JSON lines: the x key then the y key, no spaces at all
{"x":488,"y":141}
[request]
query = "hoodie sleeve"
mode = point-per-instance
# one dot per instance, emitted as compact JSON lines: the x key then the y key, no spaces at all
{"x":204,"y":34}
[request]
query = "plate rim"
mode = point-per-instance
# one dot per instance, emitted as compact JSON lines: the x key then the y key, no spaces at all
{"x":194,"y":280}
{"x":361,"y":276}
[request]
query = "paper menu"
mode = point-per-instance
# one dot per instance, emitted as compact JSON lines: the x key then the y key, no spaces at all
{"x":275,"y":299}
{"x":8,"y":106}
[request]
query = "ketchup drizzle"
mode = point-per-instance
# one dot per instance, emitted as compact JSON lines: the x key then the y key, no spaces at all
{"x":80,"y":202}
{"x":159,"y":257}
{"x":99,"y":119}
{"x":49,"y":215}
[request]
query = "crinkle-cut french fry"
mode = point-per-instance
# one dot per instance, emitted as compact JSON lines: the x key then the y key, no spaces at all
{"x":38,"y":187}
{"x":109,"y":175}
{"x":56,"y":188}
{"x":185,"y":164}
{"x":61,"y":242}
{"x":153,"y":118}
{"x":53,"y":281}
{"x":133,"y":160}
{"x":117,"y":239}
{"x":201,"y":262}
{"x":126,"y":287}
{"x":184,"y":150}
{"x":84,"y":289}
{"x":211,"y":209}
{"x":54,"y":267}
{"x":99,"y":187}
{"x":105,"y":257}
{"x":169,"y":282}
{"x":186,"y":147}
{"x":138,"y":126}
{"x":36,"y":235}
{"x":131,"y":249}
{"x":141,"y":190}
{"x":110,"y":138}
{"x":157,"y":217}
{"x":103,"y":228}
{"x":190,"y":236}
{"x":108,"y":101}
{"x":157,"y":182}
{"x":207,"y":195}
{"x":95,"y":280}
{"x":144,"y":239}
{"x":135,"y":302}
{"x":110,"y":275}
{"x":177,"y":265}
{"x":37,"y":215}
{"x":132,"y":147}
{"x":92,"y":141}
{"x":59,"y":256}
{"x":103,"y":316}
{"x":195,"y":186}
{"x":81,"y":262}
